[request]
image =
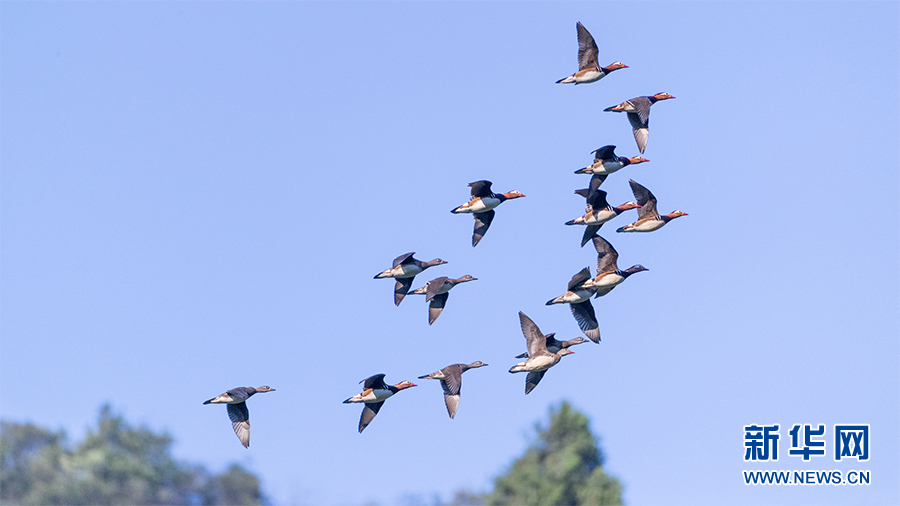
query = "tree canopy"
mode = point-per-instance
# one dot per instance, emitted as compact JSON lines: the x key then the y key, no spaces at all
{"x":563,"y":466}
{"x":116,"y":464}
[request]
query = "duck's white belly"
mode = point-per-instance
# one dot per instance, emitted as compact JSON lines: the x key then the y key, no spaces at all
{"x":588,"y":76}
{"x":404,"y":271}
{"x":541,"y":363}
{"x":373,"y":396}
{"x":576,"y":297}
{"x":481,"y":205}
{"x":599,"y":217}
{"x":607,"y":167}
{"x":648,"y":226}
{"x":607,"y":281}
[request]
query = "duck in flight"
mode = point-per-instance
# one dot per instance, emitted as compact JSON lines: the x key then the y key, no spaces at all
{"x":539,"y":358}
{"x":589,"y":70}
{"x":451,"y":381}
{"x":404,"y":270}
{"x":375,"y":392}
{"x":638,"y":110}
{"x":236,"y":400}
{"x":482,"y":204}
{"x":436,"y":292}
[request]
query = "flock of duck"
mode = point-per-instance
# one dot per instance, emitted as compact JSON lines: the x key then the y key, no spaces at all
{"x":543,"y":351}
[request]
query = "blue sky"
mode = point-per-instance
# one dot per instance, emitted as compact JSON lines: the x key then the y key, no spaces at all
{"x":195,"y":196}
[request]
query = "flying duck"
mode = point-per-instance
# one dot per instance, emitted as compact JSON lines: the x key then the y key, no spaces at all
{"x":608,"y":273}
{"x":597,"y":212}
{"x":482,"y":205}
{"x":404,"y":270}
{"x":638,"y":110}
{"x":236,"y":399}
{"x":451,"y":382}
{"x":588,"y":68}
{"x":435,"y":292}
{"x":648,"y":219}
{"x":578,"y":297}
{"x":554,"y":345}
{"x":374,"y":394}
{"x":605,"y":163}
{"x":539,"y":358}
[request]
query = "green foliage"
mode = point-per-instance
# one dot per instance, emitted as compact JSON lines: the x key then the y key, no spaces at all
{"x":563,"y":466}
{"x":116,"y":464}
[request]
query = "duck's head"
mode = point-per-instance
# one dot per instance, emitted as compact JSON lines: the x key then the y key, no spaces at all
{"x":565,"y":351}
{"x":405,"y":384}
{"x":615,"y":66}
{"x":629,"y":205}
{"x":677,"y":214}
{"x":513,"y":194}
{"x":436,"y":261}
{"x":477,"y":363}
{"x":636,"y":268}
{"x":467,"y":278}
{"x":577,"y":340}
{"x":637,"y":159}
{"x":662,"y":96}
{"x":264,"y":388}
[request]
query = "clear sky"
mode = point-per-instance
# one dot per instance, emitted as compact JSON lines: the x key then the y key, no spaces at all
{"x":195,"y":196}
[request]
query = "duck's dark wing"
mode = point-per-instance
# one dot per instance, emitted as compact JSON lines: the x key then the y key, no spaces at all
{"x":607,"y":256}
{"x":436,"y":306}
{"x":645,"y":199}
{"x":481,"y":188}
{"x":596,"y":198}
{"x":640,"y":130}
{"x":434,"y":286}
{"x":641,"y":112}
{"x":536,"y":344}
{"x":401,"y":288}
{"x":587,"y":48}
{"x":452,"y":384}
{"x":452,"y":402}
{"x":596,"y":181}
{"x":482,"y":223}
{"x":368,"y":414}
{"x":404,"y":258}
{"x":576,"y":281}
{"x":605,"y":153}
{"x":240,"y":421}
{"x":589,"y":232}
{"x":532,"y":380}
{"x":239,"y":393}
{"x":550,"y":340}
{"x":587,"y":320}
{"x":376,"y":382}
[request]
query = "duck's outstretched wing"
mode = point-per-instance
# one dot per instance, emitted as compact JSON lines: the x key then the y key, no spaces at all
{"x":532,"y":380}
{"x":404,"y":258}
{"x":645,"y":199}
{"x":607,"y":256}
{"x":436,"y":306}
{"x":481,"y":188}
{"x":579,"y":278}
{"x":605,"y":153}
{"x":587,"y":319}
{"x":587,"y":48}
{"x":401,"y":288}
{"x":240,"y":421}
{"x":535,"y":341}
{"x":482,"y":223}
{"x":375,"y":382}
{"x":368,"y":414}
